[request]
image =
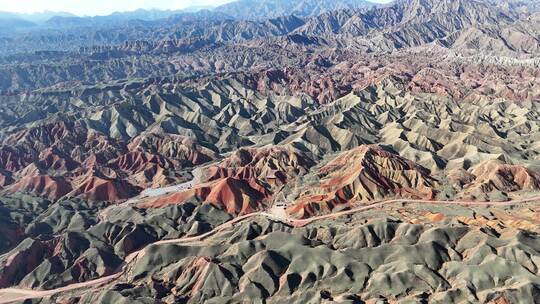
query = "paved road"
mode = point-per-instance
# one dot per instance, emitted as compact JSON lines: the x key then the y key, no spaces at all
{"x":10,"y":295}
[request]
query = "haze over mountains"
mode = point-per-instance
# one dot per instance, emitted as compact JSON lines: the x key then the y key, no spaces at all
{"x":274,"y":151}
{"x":241,"y":10}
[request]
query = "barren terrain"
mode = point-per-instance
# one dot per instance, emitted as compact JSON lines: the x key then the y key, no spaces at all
{"x":347,"y":153}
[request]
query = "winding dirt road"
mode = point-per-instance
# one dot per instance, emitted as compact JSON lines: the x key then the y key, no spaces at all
{"x":300,"y":223}
{"x":10,"y":295}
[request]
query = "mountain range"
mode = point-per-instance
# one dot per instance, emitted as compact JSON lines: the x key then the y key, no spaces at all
{"x":463,"y":26}
{"x":240,"y":10}
{"x":274,"y":152}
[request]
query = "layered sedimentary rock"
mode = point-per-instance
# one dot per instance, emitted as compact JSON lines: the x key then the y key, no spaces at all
{"x":244,"y":181}
{"x":496,"y":175}
{"x":365,"y":173}
{"x":382,"y":154}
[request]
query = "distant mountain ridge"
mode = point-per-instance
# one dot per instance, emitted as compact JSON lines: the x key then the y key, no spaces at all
{"x":456,"y":24}
{"x":316,"y":154}
{"x":34,"y":17}
{"x":50,"y":19}
{"x":241,"y":10}
{"x":264,"y":9}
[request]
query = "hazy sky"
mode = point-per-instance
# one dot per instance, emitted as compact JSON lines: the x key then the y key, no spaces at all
{"x":98,"y":7}
{"x":101,"y":7}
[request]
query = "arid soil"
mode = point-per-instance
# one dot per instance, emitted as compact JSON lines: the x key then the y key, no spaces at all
{"x":349,"y":153}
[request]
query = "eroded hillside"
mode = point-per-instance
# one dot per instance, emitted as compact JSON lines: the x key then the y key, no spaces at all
{"x":348,"y":153}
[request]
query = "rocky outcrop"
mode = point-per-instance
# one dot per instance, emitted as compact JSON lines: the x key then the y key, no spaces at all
{"x":44,"y":186}
{"x":365,"y":173}
{"x":236,"y":196}
{"x":271,"y":165}
{"x":293,"y":117}
{"x":496,"y":175}
{"x":98,"y":189}
{"x":22,"y":260}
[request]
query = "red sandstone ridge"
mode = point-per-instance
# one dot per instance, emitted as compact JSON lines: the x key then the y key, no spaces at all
{"x":362,"y":174}
{"x":137,"y":161}
{"x":433,"y":81}
{"x":181,"y":149}
{"x":14,"y":158}
{"x":72,"y":153}
{"x":236,"y":196}
{"x":29,"y":255}
{"x":240,"y":183}
{"x":48,"y":133}
{"x":44,"y":186}
{"x":273,"y":165}
{"x":153,"y":177}
{"x":99,"y":189}
{"x":52,"y":159}
{"x":144,"y":169}
{"x":496,"y":175}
